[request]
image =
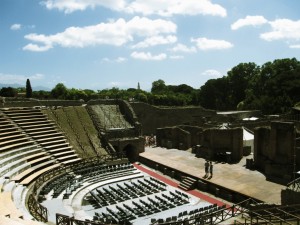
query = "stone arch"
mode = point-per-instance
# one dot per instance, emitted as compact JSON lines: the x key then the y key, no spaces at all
{"x":131,"y":152}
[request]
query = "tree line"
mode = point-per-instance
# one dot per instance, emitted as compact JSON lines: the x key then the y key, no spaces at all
{"x":273,"y":87}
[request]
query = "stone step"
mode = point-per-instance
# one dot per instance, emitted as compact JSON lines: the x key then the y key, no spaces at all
{"x":187,"y":184}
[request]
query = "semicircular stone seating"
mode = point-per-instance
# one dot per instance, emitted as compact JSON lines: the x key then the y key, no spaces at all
{"x":30,"y":145}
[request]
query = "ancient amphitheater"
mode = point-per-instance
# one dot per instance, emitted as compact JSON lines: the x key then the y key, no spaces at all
{"x":69,"y":163}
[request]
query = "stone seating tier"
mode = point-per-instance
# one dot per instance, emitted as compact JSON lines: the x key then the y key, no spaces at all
{"x":63,"y":153}
{"x":16,"y":145}
{"x":17,"y":151}
{"x":10,"y":129}
{"x":28,"y":180}
{"x":67,"y":158}
{"x":5,"y":126}
{"x":11,"y":137}
{"x":10,"y":158}
{"x":14,"y":141}
{"x":52,"y":138}
{"x":34,"y":122}
{"x":58,"y":150}
{"x":8,"y":133}
{"x":71,"y":161}
{"x":39,"y":129}
{"x":35,"y":126}
{"x":53,"y":143}
{"x":28,"y":172}
{"x":51,"y":147}
{"x":25,"y":117}
{"x":3,"y":122}
{"x":37,"y":160}
{"x":12,"y":111}
{"x":40,"y":135}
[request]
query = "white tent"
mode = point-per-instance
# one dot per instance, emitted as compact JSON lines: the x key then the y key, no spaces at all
{"x":248,"y":138}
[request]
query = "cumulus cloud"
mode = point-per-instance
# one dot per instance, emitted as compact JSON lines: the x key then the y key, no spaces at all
{"x":176,"y":7}
{"x":147,"y":56}
{"x":249,"y":21}
{"x":283,"y":29}
{"x":19,"y":79}
{"x":159,"y":7}
{"x":212,"y":73}
{"x":211,"y":44}
{"x":183,"y":48}
{"x":15,"y":26}
{"x":36,"y":48}
{"x":156,"y":40}
{"x":115,"y":33}
{"x":69,"y":6}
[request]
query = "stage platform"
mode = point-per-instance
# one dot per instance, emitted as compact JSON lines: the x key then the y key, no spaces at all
{"x":234,"y":177}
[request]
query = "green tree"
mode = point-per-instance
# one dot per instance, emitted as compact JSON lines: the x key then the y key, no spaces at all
{"x":8,"y":92}
{"x":214,"y":94}
{"x":59,"y":91}
{"x":239,"y":79}
{"x":28,"y":89}
{"x":158,"y":87}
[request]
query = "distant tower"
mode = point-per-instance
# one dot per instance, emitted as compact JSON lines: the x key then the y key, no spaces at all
{"x":138,"y":87}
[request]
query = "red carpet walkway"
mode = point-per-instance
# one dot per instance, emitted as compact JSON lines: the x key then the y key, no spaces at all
{"x":174,"y":184}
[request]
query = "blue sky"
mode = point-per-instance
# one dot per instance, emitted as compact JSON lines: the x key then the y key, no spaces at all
{"x":99,"y":44}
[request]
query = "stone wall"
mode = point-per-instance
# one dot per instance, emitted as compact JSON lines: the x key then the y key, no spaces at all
{"x":214,"y":143}
{"x":173,"y":137}
{"x":223,"y":144}
{"x":40,"y":103}
{"x":275,"y":152}
{"x":152,"y":117}
{"x":289,"y":197}
{"x":131,"y":147}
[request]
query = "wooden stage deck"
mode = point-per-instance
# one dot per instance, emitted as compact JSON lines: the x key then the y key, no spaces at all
{"x":230,"y":176}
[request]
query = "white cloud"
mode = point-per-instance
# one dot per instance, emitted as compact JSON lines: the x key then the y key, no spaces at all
{"x":283,"y":29}
{"x":117,"y":60}
{"x":176,"y":57}
{"x":211,"y":44}
{"x":249,"y":21}
{"x":212,"y":73}
{"x":15,"y":26}
{"x":115,"y":33}
{"x":183,"y":48}
{"x":19,"y":79}
{"x":147,"y":56}
{"x":69,"y":6}
{"x":295,"y":46}
{"x":176,"y":7}
{"x":156,"y":40}
{"x":160,"y":7}
{"x":36,"y":48}
{"x":120,"y":59}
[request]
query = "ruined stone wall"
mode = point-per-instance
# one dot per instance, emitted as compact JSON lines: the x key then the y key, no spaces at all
{"x":261,"y":146}
{"x":282,"y":142}
{"x":131,"y":147}
{"x":274,"y":150}
{"x":173,"y":137}
{"x":220,"y":141}
{"x":152,"y":117}
{"x":40,"y":103}
{"x":195,"y":133}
